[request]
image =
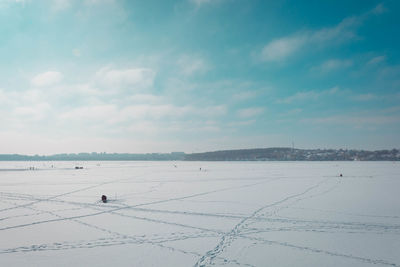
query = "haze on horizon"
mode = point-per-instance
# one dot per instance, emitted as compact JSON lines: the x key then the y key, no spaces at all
{"x":198,"y":75}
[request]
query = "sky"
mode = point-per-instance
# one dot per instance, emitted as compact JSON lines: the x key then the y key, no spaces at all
{"x":198,"y":75}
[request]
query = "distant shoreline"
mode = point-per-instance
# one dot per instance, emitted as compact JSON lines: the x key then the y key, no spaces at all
{"x":258,"y":154}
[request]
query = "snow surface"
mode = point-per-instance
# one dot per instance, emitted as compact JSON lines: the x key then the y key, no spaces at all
{"x":176,"y":214}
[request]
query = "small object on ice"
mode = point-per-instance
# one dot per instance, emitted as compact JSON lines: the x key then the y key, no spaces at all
{"x":104,"y":198}
{"x":341,"y":175}
{"x":200,"y":168}
{"x":78,"y":167}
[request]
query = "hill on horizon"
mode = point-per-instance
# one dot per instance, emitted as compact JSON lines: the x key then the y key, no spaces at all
{"x":256,"y":154}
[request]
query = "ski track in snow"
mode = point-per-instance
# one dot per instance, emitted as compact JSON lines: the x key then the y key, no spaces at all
{"x":63,"y":194}
{"x":76,"y":218}
{"x":236,"y":232}
{"x":317,"y":250}
{"x":348,"y":213}
{"x":114,"y":209}
{"x":311,"y":224}
{"x":123,"y":239}
{"x":228,"y":238}
{"x":267,"y":214}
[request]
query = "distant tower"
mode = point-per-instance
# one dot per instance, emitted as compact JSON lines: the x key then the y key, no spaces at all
{"x":293,"y":156}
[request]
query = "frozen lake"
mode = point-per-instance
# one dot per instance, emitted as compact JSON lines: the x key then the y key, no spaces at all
{"x":176,"y":214}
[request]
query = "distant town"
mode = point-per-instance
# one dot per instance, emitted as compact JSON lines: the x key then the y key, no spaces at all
{"x":259,"y":154}
{"x":291,"y":154}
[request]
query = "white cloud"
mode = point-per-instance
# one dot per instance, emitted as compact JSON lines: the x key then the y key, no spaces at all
{"x":376,"y":60}
{"x":333,"y":64}
{"x":161,"y":111}
{"x":365,"y":97}
{"x":241,"y":123}
{"x":32,"y":112}
{"x":343,"y":31}
{"x":250,"y":112}
{"x":58,"y":5}
{"x":292,"y":112}
{"x":241,"y":96}
{"x":363,"y":118}
{"x":284,"y":47}
{"x":95,"y":106}
{"x":154,"y":111}
{"x":90,"y":113}
{"x":47,"y":79}
{"x":99,"y":2}
{"x":281,"y":48}
{"x":145,"y":98}
{"x":151,"y":127}
{"x":308,"y":95}
{"x":379,"y":9}
{"x":12,"y":99}
{"x":190,"y":65}
{"x":201,"y":2}
{"x":355,"y":120}
{"x":134,"y":78}
{"x":300,"y":96}
{"x":211,"y":111}
{"x":5,"y":3}
{"x":143,"y":127}
{"x":4,"y":97}
{"x":112,"y":114}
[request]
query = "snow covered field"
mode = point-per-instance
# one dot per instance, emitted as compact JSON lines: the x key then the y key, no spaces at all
{"x":174,"y":214}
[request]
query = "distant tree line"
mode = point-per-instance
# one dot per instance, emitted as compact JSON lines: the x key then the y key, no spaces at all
{"x":94,"y":157}
{"x":290,"y":154}
{"x":259,"y":154}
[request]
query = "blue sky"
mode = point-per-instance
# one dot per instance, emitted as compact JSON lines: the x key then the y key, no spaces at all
{"x":198,"y":75}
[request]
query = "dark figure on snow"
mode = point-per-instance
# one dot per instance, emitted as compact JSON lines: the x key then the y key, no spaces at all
{"x":104,"y":198}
